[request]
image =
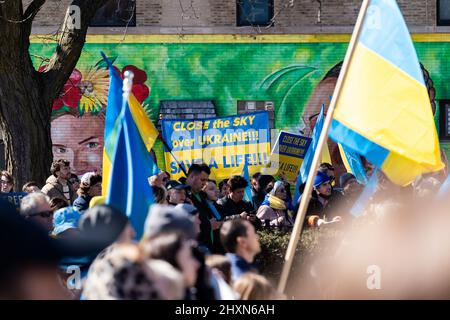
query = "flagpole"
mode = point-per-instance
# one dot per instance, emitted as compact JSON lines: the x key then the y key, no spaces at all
{"x":171,"y":153}
{"x":306,"y":195}
{"x":127,"y":84}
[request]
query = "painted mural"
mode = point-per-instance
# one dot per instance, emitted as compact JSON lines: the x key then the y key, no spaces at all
{"x":287,"y":73}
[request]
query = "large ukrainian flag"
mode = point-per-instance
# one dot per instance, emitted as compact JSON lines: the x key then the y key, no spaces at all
{"x":128,"y":187}
{"x":383,"y":110}
{"x":147,"y":130}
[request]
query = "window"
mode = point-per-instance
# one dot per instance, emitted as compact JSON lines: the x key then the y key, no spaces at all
{"x":254,"y":12}
{"x":247,"y":106}
{"x":116,"y":13}
{"x":443,"y":13}
{"x":444,"y":120}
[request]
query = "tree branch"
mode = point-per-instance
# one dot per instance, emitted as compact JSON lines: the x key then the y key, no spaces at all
{"x":29,"y":14}
{"x":69,"y":47}
{"x":33,"y":8}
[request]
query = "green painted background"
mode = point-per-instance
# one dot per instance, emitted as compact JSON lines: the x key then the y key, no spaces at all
{"x":225,"y":73}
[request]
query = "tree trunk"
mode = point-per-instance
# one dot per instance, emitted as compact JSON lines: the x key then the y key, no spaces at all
{"x":25,"y":118}
{"x":26,"y":96}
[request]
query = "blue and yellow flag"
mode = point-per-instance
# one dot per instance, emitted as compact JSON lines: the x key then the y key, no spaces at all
{"x":383,"y":111}
{"x":353,"y":163}
{"x":248,"y":191}
{"x":307,"y":161}
{"x":147,"y":130}
{"x":131,"y":164}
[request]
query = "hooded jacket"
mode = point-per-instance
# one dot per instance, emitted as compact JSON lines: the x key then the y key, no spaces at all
{"x":54,"y":189}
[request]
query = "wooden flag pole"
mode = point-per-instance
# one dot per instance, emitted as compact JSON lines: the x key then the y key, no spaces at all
{"x":306,"y":196}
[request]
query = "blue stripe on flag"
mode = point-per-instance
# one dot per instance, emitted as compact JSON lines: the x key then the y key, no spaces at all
{"x":375,"y":153}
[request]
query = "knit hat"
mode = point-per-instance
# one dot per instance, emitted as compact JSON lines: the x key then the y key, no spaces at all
{"x":164,"y":218}
{"x":102,"y":223}
{"x":320,"y":178}
{"x":276,"y":186}
{"x":346,"y":177}
{"x":189,"y":208}
{"x":173,"y":184}
{"x":64,"y":219}
{"x":90,"y":178}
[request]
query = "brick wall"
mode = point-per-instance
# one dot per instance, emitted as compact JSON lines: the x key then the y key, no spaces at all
{"x":220,"y":13}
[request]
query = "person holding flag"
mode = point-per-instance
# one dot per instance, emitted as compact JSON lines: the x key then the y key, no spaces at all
{"x":380,"y":73}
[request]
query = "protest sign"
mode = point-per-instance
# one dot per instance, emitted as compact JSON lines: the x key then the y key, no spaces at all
{"x":225,"y":144}
{"x":287,"y":155}
{"x":13,"y":197}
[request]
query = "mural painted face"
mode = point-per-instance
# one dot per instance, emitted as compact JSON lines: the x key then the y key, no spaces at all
{"x":79,"y":140}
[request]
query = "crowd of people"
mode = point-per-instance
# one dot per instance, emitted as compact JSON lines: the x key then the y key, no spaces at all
{"x":200,"y":238}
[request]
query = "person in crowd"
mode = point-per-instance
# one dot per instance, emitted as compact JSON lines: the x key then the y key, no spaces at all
{"x":194,"y":213}
{"x":351,"y":190}
{"x":65,"y":223}
{"x":165,"y":177}
{"x":160,"y":179}
{"x":7,"y":182}
{"x":350,"y":186}
{"x":75,"y":181}
{"x":160,"y":194}
{"x":220,"y":268}
{"x":255,"y":184}
{"x":30,"y":187}
{"x":36,"y":208}
{"x":103,"y":225}
{"x":58,"y":203}
{"x":212,"y":195}
{"x":328,"y":169}
{"x":98,"y":228}
{"x":174,"y":248}
{"x":241,"y":242}
{"x":234,"y":206}
{"x":29,"y":268}
{"x":176,"y":192}
{"x":57,"y":185}
{"x":123,"y":272}
{"x":166,"y":219}
{"x":221,"y":265}
{"x":224,"y":188}
{"x":198,"y":176}
{"x":273,"y":211}
{"x":321,"y":206}
{"x":262,"y":186}
{"x":251,"y":286}
{"x":90,"y":186}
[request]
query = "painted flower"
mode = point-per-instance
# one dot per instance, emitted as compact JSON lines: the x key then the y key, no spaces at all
{"x":140,"y":90}
{"x":70,"y":94}
{"x":94,"y":86}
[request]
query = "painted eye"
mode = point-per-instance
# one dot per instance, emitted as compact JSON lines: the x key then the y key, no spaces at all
{"x":60,"y":150}
{"x":92,"y":145}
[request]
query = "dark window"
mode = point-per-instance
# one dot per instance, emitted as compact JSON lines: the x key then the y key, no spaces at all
{"x":444,"y":120}
{"x":443,"y":13}
{"x":116,"y":13}
{"x":254,"y":12}
{"x":247,"y":106}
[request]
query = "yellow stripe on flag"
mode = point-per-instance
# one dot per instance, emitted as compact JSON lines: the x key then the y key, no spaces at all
{"x":146,"y":128}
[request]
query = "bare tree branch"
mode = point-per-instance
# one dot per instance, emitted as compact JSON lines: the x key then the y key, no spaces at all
{"x":33,"y":9}
{"x":69,"y":47}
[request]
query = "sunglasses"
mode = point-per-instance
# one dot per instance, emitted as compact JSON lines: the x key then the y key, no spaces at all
{"x":43,"y":214}
{"x":5,"y":182}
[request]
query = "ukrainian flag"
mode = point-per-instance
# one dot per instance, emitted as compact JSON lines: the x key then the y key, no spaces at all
{"x":131,"y":164}
{"x":147,"y":130}
{"x":383,"y":110}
